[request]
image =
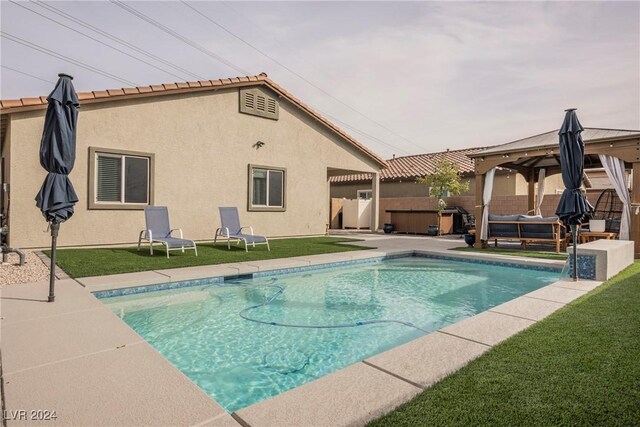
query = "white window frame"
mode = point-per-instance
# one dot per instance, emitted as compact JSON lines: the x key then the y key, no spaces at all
{"x":267,"y":208}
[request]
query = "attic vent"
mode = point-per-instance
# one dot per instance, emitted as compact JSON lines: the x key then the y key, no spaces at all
{"x":250,"y":100}
{"x":261,"y":103}
{"x":257,"y":102}
{"x":271,"y":106}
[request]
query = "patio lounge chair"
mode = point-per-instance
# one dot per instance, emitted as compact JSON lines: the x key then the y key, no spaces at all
{"x":231,"y":230}
{"x":159,"y":231}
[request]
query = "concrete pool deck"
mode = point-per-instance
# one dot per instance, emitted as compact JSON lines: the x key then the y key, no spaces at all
{"x":77,"y":358}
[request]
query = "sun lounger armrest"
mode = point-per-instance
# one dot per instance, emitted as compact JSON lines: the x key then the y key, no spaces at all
{"x":250,"y":229}
{"x":176,"y":229}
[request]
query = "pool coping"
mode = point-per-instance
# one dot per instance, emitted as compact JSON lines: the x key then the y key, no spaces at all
{"x":376,"y":385}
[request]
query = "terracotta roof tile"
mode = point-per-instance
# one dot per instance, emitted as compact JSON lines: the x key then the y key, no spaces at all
{"x":216,"y":82}
{"x":145,"y":89}
{"x":43,"y":99}
{"x":115,"y":92}
{"x":10,"y":103}
{"x":205,"y":83}
{"x":170,"y":86}
{"x":157,"y":88}
{"x":182,"y":85}
{"x":85,"y":95}
{"x":100,"y":93}
{"x":412,"y":167}
{"x":130,"y":90}
{"x":31,"y":101}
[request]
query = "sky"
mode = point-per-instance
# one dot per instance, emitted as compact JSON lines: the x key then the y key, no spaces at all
{"x":401,"y":77}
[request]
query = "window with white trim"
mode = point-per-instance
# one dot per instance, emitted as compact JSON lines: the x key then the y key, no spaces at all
{"x":267,"y":188}
{"x":122,"y":179}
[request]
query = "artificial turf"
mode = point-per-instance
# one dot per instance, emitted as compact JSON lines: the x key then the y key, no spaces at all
{"x":580,"y":367}
{"x":102,"y":261}
{"x":515,"y":252}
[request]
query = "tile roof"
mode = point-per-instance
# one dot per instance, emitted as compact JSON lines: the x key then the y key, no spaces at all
{"x":411,"y":167}
{"x":28,"y":104}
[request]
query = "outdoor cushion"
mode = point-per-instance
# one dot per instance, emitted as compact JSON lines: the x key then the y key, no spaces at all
{"x":503,"y":230}
{"x":530,"y":228}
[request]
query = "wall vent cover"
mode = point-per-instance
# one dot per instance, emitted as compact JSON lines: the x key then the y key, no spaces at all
{"x":257,"y":102}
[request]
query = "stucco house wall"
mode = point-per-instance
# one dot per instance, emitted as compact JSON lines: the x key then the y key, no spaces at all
{"x":504,"y":185}
{"x":203,"y":147}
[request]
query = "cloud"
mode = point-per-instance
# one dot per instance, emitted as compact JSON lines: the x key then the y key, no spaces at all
{"x":440,"y":74}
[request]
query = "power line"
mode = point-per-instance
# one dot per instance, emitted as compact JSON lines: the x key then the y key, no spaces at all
{"x":366,"y":135}
{"x":97,"y":40}
{"x":266,"y":55}
{"x":116,"y":39}
{"x":27,"y":74}
{"x":57,"y":55}
{"x":178,"y":36}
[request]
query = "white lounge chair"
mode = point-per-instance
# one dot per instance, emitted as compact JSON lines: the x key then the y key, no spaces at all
{"x":231,"y":230}
{"x":159,"y":231}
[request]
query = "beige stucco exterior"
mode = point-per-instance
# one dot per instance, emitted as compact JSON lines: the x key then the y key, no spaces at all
{"x":202,"y":146}
{"x":512,"y":184}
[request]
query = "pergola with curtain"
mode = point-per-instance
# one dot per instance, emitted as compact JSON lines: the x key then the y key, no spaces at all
{"x":538,"y":156}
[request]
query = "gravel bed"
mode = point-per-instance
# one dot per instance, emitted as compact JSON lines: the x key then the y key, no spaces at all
{"x":33,"y":270}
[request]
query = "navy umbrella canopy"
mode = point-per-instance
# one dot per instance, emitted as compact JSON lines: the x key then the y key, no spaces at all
{"x":57,"y":197}
{"x":573,"y":208}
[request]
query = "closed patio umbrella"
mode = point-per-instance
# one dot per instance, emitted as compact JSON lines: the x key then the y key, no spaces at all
{"x":573,"y":208}
{"x":57,"y":197}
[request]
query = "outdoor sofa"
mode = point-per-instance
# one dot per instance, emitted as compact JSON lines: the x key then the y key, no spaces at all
{"x":528,"y":229}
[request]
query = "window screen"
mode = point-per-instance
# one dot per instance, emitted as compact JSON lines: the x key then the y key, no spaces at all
{"x":109,"y":177}
{"x":136,"y":182}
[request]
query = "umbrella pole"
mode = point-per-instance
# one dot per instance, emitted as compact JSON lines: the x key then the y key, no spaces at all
{"x":55,"y":227}
{"x":574,"y":235}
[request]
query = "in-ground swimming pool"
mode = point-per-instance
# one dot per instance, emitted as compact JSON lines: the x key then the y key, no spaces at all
{"x":243,"y":341}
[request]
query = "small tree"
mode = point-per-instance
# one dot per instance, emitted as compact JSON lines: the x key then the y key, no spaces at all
{"x":444,"y":181}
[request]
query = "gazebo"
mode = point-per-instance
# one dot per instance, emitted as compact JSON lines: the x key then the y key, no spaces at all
{"x":528,"y":156}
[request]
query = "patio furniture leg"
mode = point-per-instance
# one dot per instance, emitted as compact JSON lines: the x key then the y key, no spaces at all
{"x":195,"y":248}
{"x":151,"y":247}
{"x":140,"y":239}
{"x":167,"y":246}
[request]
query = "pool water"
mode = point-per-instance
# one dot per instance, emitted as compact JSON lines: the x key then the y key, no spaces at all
{"x":240,"y":360}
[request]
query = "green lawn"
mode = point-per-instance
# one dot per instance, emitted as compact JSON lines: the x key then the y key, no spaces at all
{"x":515,"y":252}
{"x":580,"y":366}
{"x":98,"y":262}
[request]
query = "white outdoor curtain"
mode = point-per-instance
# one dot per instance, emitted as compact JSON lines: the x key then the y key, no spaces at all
{"x":614,"y":167}
{"x":486,"y":199}
{"x":540,"y":196}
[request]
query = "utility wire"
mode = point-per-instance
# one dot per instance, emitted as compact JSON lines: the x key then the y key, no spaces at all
{"x":266,"y":55}
{"x":366,"y":135}
{"x":178,"y":36}
{"x":57,"y":55}
{"x":27,"y":74}
{"x":116,"y":39}
{"x":97,"y":40}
